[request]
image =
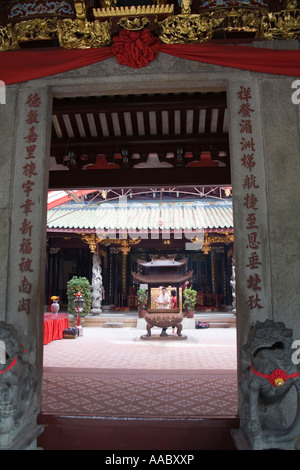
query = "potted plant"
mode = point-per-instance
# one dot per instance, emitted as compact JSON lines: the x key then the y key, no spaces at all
{"x":189,"y":303}
{"x":142,"y":298}
{"x":82,"y":285}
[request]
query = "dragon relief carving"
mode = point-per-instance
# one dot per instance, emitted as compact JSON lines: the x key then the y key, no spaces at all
{"x":96,"y":284}
{"x":266,"y":382}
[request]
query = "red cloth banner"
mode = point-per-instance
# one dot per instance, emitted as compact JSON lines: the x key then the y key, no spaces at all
{"x":256,"y":59}
{"x":20,"y":66}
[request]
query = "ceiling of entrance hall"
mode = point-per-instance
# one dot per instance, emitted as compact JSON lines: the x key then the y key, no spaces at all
{"x":133,"y":130}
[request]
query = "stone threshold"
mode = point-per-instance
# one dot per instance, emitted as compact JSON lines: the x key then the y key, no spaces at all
{"x":126,"y":321}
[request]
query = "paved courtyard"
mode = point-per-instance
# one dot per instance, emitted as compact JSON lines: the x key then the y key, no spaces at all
{"x":123,"y":348}
{"x":113,"y":372}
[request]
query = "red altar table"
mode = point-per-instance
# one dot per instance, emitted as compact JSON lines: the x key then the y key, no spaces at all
{"x":54,"y":325}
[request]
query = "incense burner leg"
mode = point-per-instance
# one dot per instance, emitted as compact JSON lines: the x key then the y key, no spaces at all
{"x":148,"y":328}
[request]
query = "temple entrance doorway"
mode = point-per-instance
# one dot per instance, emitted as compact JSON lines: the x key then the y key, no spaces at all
{"x":144,"y":155}
{"x":180,"y":201}
{"x":125,"y":227}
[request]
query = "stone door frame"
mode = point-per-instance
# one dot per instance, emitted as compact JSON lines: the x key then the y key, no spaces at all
{"x":256,"y":298}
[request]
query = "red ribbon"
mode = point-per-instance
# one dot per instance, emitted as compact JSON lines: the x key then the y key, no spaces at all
{"x":277,"y":378}
{"x":9,"y":367}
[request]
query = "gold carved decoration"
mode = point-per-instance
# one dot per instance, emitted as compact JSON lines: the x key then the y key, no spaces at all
{"x":71,"y":34}
{"x":227,"y":238}
{"x":111,"y":11}
{"x":37,"y":29}
{"x":238,"y":19}
{"x":283,"y":24}
{"x":184,"y":28}
{"x":133,"y":24}
{"x":123,"y":244}
{"x":92,"y":240}
{"x":188,"y":28}
{"x":8,"y":39}
{"x":206,"y":245}
{"x":83,"y":34}
{"x":80,"y":10}
{"x":186,"y":7}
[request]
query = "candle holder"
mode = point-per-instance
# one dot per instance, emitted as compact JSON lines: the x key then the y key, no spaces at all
{"x":79,"y":306}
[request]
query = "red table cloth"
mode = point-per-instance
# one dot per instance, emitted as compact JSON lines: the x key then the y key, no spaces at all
{"x":54,"y":325}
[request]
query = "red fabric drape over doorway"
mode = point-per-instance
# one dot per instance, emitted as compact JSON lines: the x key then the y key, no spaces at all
{"x":272,"y":61}
{"x":20,"y":66}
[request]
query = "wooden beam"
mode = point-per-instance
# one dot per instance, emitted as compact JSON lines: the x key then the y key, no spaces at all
{"x":139,"y":103}
{"x":94,"y":143}
{"x":129,"y":178}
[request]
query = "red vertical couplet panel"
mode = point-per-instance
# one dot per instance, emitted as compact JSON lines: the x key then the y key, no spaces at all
{"x":248,"y":161}
{"x":29,"y":177}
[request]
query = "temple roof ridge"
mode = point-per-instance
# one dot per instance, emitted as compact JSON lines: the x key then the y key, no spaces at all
{"x":135,"y":216}
{"x":147,"y":203}
{"x":165,"y":261}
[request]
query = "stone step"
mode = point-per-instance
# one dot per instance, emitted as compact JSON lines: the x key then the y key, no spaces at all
{"x":113,"y":325}
{"x":218,"y":325}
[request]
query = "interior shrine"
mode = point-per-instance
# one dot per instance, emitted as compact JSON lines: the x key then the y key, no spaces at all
{"x":138,"y":134}
{"x":121,"y":232}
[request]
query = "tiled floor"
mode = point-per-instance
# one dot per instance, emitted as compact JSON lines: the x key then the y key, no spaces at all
{"x":113,"y":372}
